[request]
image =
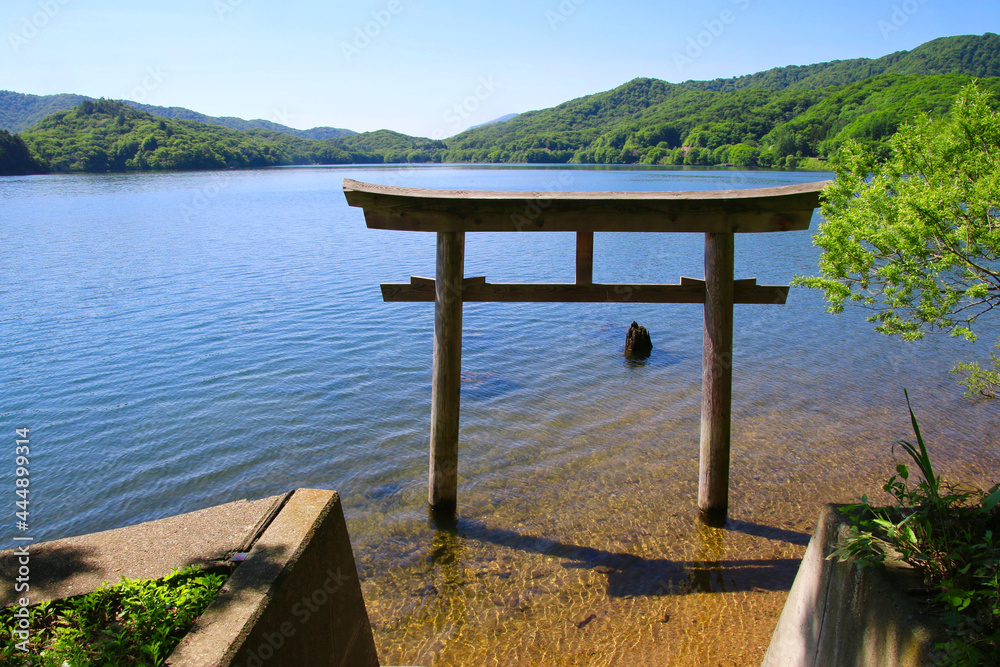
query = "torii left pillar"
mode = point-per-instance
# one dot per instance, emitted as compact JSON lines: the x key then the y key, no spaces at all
{"x":442,"y":487}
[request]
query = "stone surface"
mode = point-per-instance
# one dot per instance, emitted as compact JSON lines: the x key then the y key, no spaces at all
{"x":150,"y":550}
{"x":637,"y":342}
{"x":839,"y":614}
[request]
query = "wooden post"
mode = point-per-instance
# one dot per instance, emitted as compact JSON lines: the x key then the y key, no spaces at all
{"x":447,"y":376}
{"x":585,"y":258}
{"x":717,"y":380}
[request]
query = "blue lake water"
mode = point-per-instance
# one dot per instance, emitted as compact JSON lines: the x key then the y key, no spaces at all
{"x":175,"y":341}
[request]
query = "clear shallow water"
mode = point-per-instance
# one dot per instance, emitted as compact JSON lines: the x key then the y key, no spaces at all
{"x":181,"y":340}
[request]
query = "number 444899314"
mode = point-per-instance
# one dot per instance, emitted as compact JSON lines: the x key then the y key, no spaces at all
{"x":21,"y":454}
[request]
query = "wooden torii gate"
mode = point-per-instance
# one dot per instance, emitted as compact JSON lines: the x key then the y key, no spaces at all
{"x":719,"y":215}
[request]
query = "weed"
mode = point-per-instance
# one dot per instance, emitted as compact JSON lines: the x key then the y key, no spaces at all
{"x":134,"y":622}
{"x":950,"y":536}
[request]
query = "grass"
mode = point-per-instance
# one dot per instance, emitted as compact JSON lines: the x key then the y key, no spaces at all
{"x":134,"y":622}
{"x":950,"y":536}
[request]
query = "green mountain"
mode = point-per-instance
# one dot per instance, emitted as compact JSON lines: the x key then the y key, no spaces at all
{"x":180,"y":113}
{"x":652,"y":122}
{"x":625,"y":124}
{"x":972,"y":55}
{"x":770,"y":119}
{"x":107,"y":135}
{"x":18,"y":112}
{"x":110,"y":136}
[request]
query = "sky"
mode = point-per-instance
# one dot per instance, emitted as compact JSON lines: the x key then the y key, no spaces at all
{"x":434,"y":68}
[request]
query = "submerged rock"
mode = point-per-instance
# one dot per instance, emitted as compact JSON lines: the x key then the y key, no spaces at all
{"x":637,"y":342}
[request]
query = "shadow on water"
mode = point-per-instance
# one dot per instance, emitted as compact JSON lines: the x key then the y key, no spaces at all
{"x":768,"y":532}
{"x":658,"y":359}
{"x":478,"y":386}
{"x":385,"y":491}
{"x":628,"y":574}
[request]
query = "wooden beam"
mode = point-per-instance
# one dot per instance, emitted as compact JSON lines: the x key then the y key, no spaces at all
{"x":585,"y":258}
{"x":723,"y":211}
{"x":689,"y":291}
{"x":442,"y":491}
{"x":428,"y":283}
{"x":717,"y":381}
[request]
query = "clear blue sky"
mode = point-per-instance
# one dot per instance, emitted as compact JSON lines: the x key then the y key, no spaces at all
{"x":430,"y":67}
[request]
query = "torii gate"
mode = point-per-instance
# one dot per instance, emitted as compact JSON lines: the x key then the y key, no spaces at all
{"x":718,"y":214}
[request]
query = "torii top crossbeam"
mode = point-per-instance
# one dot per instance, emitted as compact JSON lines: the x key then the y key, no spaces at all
{"x":719,"y":214}
{"x":779,"y":209}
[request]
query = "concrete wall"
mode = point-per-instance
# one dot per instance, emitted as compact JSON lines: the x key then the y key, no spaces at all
{"x":838,"y":614}
{"x":295,"y":601}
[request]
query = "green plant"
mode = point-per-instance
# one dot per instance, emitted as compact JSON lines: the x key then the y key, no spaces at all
{"x":134,"y":622}
{"x":980,"y":382}
{"x":950,"y":537}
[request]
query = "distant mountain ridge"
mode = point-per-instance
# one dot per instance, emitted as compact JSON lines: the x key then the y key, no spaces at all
{"x":640,"y":120}
{"x":776,"y":118}
{"x":971,"y":55}
{"x":19,"y":111}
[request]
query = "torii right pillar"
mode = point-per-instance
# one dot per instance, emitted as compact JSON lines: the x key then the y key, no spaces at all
{"x":717,"y":380}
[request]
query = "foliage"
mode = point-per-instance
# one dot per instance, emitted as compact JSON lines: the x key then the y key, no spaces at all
{"x":980,"y":382}
{"x":648,"y":121}
{"x":15,"y":158}
{"x":110,"y":136}
{"x":180,"y":113}
{"x":132,"y":623}
{"x":915,"y":237}
{"x":105,"y":135}
{"x":950,"y":537}
{"x":19,"y":112}
{"x":972,"y":55}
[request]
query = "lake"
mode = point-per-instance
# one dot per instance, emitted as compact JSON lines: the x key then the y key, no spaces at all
{"x":180,"y":340}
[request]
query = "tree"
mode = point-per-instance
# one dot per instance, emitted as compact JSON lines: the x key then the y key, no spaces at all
{"x":916,"y":237}
{"x":15,"y":158}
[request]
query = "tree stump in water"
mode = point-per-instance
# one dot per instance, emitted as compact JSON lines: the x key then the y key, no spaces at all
{"x":637,"y":342}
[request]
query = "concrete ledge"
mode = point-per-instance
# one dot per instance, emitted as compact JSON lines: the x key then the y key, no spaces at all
{"x":296,"y":600}
{"x":839,"y":614}
{"x":151,"y":550}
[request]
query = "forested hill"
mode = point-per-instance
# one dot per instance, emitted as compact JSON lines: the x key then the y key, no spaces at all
{"x":19,"y":112}
{"x":651,"y":122}
{"x":972,"y":55}
{"x":624,"y":124}
{"x":777,"y":118}
{"x":106,"y":135}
